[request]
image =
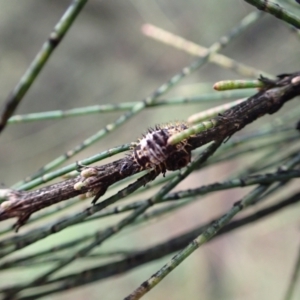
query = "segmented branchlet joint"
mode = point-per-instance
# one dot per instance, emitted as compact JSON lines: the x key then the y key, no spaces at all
{"x":153,"y":151}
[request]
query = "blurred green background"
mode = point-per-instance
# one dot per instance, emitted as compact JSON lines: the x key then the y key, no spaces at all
{"x":105,"y":58}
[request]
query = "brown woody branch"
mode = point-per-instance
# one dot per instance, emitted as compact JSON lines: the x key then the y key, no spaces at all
{"x":96,"y":180}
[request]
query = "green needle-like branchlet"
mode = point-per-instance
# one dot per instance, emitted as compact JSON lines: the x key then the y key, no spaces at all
{"x":40,"y":61}
{"x":276,"y":10}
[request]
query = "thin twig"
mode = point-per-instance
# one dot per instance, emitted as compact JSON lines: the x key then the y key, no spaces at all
{"x":195,"y":49}
{"x":276,"y":10}
{"x":295,"y":277}
{"x":40,"y":61}
{"x":204,"y":237}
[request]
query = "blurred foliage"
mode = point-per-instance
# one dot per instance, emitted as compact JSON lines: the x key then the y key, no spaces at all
{"x":105,"y":59}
